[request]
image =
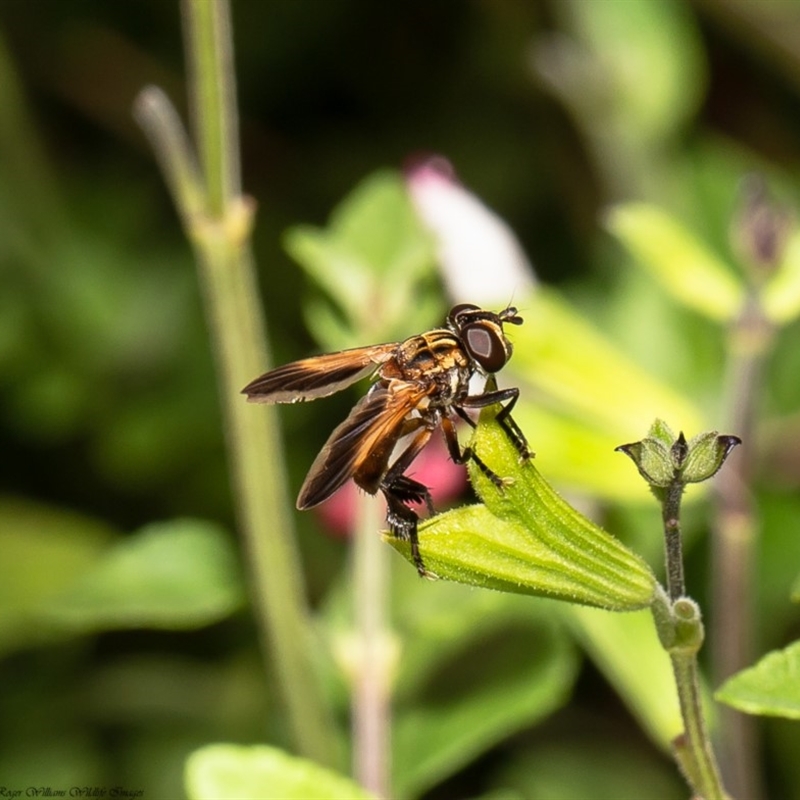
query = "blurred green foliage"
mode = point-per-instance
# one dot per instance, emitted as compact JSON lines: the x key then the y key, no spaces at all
{"x":109,"y":422}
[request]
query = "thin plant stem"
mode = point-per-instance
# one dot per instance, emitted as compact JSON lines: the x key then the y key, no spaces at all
{"x":218,"y":222}
{"x":680,"y":629}
{"x":694,"y":750}
{"x":682,"y":634}
{"x":673,"y":543}
{"x":733,"y":549}
{"x":372,"y":679}
{"x":209,"y":49}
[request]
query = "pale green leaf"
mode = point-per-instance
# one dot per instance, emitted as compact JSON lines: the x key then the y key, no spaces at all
{"x":332,"y":264}
{"x":373,"y":239}
{"x":631,"y":39}
{"x":378,"y":221}
{"x":683,"y":265}
{"x":574,"y":369}
{"x":580,"y":456}
{"x":233,"y":772}
{"x":769,"y":688}
{"x":780,"y":296}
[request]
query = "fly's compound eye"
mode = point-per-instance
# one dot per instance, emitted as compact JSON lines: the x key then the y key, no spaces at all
{"x":487,"y":345}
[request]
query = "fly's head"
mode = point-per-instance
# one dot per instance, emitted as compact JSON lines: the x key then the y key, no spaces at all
{"x":481,"y":333}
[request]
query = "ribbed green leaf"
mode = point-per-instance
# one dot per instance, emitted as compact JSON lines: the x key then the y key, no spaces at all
{"x":527,"y":539}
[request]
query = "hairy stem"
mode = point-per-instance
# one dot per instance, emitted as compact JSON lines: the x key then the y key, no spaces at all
{"x":673,"y":544}
{"x":680,"y":629}
{"x":694,"y":748}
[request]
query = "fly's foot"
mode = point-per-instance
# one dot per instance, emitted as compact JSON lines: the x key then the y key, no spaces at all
{"x":499,"y":482}
{"x":403,"y":521}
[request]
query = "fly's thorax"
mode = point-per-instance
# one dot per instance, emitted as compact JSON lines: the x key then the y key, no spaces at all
{"x":425,"y":357}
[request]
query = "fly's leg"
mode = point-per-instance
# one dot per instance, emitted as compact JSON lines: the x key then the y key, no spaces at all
{"x":504,"y":418}
{"x":400,"y":490}
{"x":460,"y":456}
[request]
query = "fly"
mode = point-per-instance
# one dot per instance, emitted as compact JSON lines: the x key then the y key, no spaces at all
{"x":421,"y":384}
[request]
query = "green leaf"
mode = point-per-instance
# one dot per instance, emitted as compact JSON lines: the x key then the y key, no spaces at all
{"x":683,"y":265}
{"x":627,"y":40}
{"x":476,"y":668}
{"x":626,"y":649}
{"x":232,"y":772}
{"x":579,"y":373}
{"x":527,"y":539}
{"x":589,"y":766}
{"x":770,"y":688}
{"x":171,"y":575}
{"x":374,"y":239}
{"x":579,"y":456}
{"x":42,"y":551}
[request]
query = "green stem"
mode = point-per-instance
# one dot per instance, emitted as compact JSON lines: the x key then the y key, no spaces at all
{"x":694,"y":749}
{"x":673,"y":544}
{"x":372,"y":679}
{"x":218,"y":222}
{"x":209,"y":47}
{"x":680,"y":629}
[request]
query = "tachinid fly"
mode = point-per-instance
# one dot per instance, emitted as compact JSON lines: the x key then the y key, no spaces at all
{"x":421,"y":383}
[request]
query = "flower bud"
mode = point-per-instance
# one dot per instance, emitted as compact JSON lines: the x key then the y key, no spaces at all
{"x":664,"y":459}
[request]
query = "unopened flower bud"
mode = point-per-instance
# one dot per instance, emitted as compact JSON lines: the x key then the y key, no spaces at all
{"x":664,"y":459}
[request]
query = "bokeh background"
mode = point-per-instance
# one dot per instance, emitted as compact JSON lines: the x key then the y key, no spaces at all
{"x":109,"y":416}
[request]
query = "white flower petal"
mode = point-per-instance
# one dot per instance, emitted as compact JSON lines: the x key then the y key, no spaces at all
{"x":481,"y":258}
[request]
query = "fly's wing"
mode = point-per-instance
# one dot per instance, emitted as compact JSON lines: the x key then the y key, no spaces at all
{"x":318,"y":376}
{"x":362,"y":443}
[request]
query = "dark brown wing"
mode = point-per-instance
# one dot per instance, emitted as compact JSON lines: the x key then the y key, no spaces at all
{"x":318,"y":376}
{"x":362,"y":443}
